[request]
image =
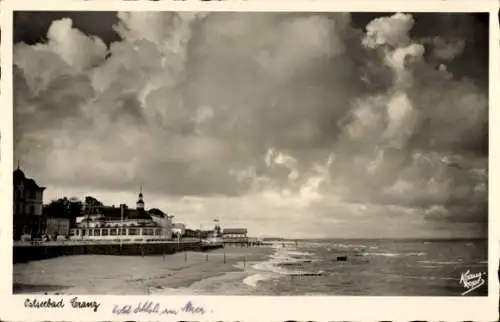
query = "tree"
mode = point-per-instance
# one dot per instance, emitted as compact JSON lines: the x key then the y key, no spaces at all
{"x":92,"y":205}
{"x":69,"y":208}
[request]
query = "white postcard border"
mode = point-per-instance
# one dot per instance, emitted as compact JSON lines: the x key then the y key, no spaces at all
{"x":254,"y":307}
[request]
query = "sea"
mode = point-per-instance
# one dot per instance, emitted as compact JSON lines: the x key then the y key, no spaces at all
{"x":371,"y":268}
{"x":289,"y":268}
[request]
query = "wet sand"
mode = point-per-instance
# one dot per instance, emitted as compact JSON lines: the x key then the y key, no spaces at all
{"x":127,"y":275}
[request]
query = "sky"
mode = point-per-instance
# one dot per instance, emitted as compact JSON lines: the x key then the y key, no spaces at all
{"x":323,"y":125}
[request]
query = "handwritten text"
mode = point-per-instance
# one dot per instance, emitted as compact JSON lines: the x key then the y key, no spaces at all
{"x":150,"y":307}
{"x":75,"y":302}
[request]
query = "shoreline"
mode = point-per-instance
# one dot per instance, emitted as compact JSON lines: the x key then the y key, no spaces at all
{"x":414,"y":271}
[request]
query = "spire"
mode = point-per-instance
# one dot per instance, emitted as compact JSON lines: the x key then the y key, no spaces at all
{"x":140,"y":202}
{"x":18,"y":166}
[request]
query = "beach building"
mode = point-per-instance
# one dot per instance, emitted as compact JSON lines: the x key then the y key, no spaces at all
{"x":122,"y":223}
{"x":235,"y":235}
{"x":28,"y":201}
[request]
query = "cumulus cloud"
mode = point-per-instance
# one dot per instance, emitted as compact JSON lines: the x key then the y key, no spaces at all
{"x":259,"y":116}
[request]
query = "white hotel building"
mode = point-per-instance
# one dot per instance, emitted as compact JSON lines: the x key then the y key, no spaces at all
{"x":123,"y":223}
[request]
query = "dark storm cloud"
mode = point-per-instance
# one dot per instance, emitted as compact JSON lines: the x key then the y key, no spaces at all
{"x":31,"y":27}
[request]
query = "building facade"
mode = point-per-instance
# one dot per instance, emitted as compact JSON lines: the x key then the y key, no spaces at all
{"x":127,"y":229}
{"x":28,"y":204}
{"x":123,"y":223}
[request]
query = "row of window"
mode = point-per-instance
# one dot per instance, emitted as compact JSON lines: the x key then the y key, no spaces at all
{"x":30,"y":211}
{"x":30,"y":193}
{"x":117,"y":232}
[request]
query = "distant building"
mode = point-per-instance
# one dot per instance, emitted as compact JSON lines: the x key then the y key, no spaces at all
{"x":235,"y":234}
{"x":190,"y":233}
{"x":178,"y":229}
{"x":28,"y":202}
{"x":56,"y":227}
{"x":163,"y":220}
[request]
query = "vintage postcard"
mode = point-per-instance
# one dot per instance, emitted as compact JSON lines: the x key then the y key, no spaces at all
{"x":254,"y":160}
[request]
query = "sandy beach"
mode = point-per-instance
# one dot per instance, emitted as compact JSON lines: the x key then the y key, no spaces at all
{"x":191,"y":272}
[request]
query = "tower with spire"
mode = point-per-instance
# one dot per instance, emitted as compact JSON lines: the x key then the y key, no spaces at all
{"x":140,"y":201}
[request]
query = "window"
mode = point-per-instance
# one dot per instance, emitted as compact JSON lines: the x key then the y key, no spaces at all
{"x":97,"y":232}
{"x":158,"y":232}
{"x":147,"y":231}
{"x":113,"y":232}
{"x":72,"y":233}
{"x":132,"y":231}
{"x":90,"y":232}
{"x":105,"y":232}
{"x":124,"y":231}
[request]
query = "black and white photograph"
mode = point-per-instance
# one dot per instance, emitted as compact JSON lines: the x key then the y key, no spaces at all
{"x":250,"y":153}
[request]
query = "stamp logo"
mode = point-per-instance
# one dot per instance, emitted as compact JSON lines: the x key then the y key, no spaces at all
{"x":471,"y":281}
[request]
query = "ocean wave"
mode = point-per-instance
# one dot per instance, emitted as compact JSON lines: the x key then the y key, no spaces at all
{"x":395,"y":254}
{"x":431,"y":262}
{"x":358,"y":246}
{"x":253,"y":280}
{"x":298,"y":253}
{"x":412,"y":277}
{"x":161,"y":290}
{"x":284,"y":256}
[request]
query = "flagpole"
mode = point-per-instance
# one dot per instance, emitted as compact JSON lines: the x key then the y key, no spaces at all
{"x":121,"y":224}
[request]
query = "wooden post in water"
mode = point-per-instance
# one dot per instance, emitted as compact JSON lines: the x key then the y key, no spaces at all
{"x":206,"y":257}
{"x":224,"y":257}
{"x":185,"y":256}
{"x":245,"y":263}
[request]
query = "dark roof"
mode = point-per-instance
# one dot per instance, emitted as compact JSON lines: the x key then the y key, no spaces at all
{"x":138,"y":214}
{"x":32,"y":184}
{"x":28,"y":182}
{"x":115,"y":213}
{"x":234,"y":231}
{"x":112,"y":212}
{"x":18,"y":173}
{"x":156,"y":212}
